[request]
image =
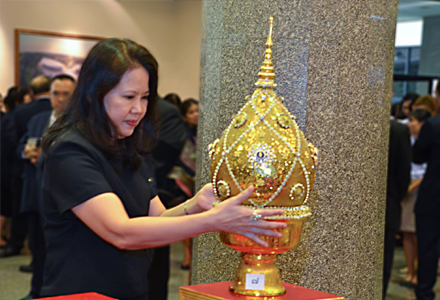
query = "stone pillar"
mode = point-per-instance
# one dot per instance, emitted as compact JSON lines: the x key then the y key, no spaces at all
{"x":334,"y":63}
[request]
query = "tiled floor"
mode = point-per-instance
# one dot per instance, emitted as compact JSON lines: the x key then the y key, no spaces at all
{"x":397,"y":292}
{"x":15,"y":285}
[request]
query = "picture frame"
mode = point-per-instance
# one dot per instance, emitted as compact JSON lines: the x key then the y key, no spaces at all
{"x":49,"y":53}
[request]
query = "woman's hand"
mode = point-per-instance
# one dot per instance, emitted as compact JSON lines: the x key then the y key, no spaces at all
{"x":230,"y":216}
{"x":205,"y":197}
{"x":415,"y":184}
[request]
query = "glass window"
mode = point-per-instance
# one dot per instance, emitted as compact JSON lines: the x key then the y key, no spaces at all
{"x":406,"y":62}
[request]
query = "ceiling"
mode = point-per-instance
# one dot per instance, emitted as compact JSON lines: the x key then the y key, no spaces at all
{"x":408,"y":10}
{"x":414,"y":10}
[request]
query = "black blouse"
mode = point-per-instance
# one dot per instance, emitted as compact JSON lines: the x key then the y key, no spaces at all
{"x":77,"y":259}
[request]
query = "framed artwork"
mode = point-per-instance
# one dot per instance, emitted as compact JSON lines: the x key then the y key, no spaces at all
{"x":49,"y":53}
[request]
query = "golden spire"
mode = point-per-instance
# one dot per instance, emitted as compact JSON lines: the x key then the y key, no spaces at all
{"x":267,"y":74}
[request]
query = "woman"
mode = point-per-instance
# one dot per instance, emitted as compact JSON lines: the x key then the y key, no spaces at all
{"x":100,"y":208}
{"x":416,"y":120}
{"x":190,"y":115}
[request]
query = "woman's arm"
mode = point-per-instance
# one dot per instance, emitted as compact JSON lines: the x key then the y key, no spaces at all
{"x":201,"y":202}
{"x":414,"y":185}
{"x":105,"y":215}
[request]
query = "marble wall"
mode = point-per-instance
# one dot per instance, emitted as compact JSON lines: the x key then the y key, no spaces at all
{"x":334,"y":63}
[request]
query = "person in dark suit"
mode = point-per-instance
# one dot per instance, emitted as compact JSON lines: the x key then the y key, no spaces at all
{"x":16,"y":96}
{"x":29,"y":150}
{"x":40,"y":86}
{"x":399,"y":167}
{"x":172,"y":136}
{"x":427,"y":208}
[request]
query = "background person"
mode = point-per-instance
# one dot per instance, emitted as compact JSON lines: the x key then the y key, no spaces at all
{"x":190,"y":115}
{"x":11,"y":220}
{"x":40,"y":86}
{"x":174,"y":99}
{"x":165,"y":154}
{"x":15,"y":97}
{"x":427,"y":208}
{"x":399,"y":165}
{"x":102,"y":214}
{"x":405,"y":107}
{"x":416,"y":120}
{"x":29,"y":151}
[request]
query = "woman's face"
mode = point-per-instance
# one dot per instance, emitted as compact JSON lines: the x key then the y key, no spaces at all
{"x":192,"y":115}
{"x":126,"y":104}
{"x":27,"y":99}
{"x":414,"y":126}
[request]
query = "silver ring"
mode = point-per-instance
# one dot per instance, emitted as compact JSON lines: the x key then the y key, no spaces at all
{"x":256,"y":216}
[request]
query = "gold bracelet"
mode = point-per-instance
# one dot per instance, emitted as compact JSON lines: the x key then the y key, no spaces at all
{"x":185,"y":210}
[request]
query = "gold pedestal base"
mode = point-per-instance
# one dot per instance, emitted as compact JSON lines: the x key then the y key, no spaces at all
{"x":257,"y":275}
{"x":263,"y":273}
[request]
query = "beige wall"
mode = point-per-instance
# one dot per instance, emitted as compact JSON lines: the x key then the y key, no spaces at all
{"x":171,"y":30}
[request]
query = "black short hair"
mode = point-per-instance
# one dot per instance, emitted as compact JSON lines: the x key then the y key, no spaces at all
{"x":62,"y":77}
{"x":420,"y":114}
{"x":412,"y":97}
{"x":15,"y":96}
{"x":173,"y":98}
{"x":11,"y":97}
{"x":101,"y":71}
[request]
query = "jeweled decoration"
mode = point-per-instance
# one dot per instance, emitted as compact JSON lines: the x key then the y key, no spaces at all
{"x":297,"y":191}
{"x":284,"y":121}
{"x":223,"y":189}
{"x":240,"y":119}
{"x":264,"y":146}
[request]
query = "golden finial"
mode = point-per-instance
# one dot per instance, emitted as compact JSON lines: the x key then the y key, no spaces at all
{"x":267,"y":74}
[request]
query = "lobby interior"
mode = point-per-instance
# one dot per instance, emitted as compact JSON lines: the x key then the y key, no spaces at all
{"x":416,"y":23}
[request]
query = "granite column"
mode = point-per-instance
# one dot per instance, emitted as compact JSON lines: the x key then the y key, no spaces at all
{"x":334,"y":63}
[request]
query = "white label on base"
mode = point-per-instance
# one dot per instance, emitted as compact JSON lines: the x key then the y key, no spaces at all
{"x":255,"y":282}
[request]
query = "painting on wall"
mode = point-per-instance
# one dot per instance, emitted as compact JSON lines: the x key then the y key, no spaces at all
{"x":50,"y":54}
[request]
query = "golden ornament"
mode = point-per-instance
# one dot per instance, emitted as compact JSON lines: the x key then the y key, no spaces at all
{"x":263,"y":146}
